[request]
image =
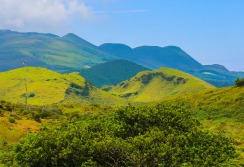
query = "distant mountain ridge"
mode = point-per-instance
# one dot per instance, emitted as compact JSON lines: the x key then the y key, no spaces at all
{"x":72,"y":53}
{"x":155,"y":57}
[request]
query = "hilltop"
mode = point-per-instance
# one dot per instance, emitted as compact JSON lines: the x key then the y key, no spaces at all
{"x":48,"y":87}
{"x":69,"y":52}
{"x":112,"y":72}
{"x":154,"y":85}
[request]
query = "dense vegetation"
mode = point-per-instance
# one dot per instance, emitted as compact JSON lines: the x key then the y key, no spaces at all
{"x":162,"y":135}
{"x":111,"y":72}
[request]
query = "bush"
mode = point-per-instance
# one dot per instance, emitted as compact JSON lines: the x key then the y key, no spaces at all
{"x":163,"y":135}
{"x":11,"y":120}
{"x":239,"y":82}
{"x":32,"y":95}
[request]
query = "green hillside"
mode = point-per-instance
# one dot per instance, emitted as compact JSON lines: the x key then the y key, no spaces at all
{"x":111,"y":72}
{"x":48,"y":87}
{"x":155,"y":57}
{"x":155,"y":85}
{"x":228,"y":98}
{"x":48,"y":50}
{"x":220,"y":111}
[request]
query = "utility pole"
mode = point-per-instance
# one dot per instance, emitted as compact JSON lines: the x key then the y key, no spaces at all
{"x":26,"y":90}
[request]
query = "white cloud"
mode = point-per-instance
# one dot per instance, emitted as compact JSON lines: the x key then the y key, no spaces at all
{"x":38,"y":15}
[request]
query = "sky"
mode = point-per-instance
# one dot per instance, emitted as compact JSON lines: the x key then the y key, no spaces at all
{"x":211,"y":31}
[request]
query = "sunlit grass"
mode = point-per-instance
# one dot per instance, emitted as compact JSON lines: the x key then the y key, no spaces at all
{"x":13,"y":132}
{"x":48,"y":87}
{"x":150,"y":86}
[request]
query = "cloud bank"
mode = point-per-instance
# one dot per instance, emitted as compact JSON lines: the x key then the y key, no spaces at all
{"x":37,"y":15}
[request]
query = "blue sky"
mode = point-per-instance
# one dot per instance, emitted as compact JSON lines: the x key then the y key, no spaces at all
{"x":211,"y":31}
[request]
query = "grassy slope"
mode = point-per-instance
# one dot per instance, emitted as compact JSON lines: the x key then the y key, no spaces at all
{"x":155,"y":85}
{"x":220,"y":111}
{"x":12,"y":132}
{"x":228,"y":98}
{"x":50,"y":87}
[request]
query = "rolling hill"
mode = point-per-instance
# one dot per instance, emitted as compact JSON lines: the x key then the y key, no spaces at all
{"x":111,"y":72}
{"x":154,"y":57}
{"x":48,"y":87}
{"x":49,"y":51}
{"x":148,"y":86}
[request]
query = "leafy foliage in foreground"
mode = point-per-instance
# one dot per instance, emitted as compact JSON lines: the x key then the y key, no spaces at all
{"x":163,"y":135}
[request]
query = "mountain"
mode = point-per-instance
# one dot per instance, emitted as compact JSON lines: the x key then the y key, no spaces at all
{"x":217,"y":75}
{"x":48,"y":87}
{"x":72,"y":53}
{"x":48,"y":50}
{"x":154,"y":57}
{"x":154,"y":85}
{"x":111,"y":72}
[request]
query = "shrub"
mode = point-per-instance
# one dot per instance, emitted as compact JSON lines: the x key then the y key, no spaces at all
{"x":32,"y":95}
{"x":11,"y":120}
{"x":163,"y":135}
{"x":239,"y":82}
